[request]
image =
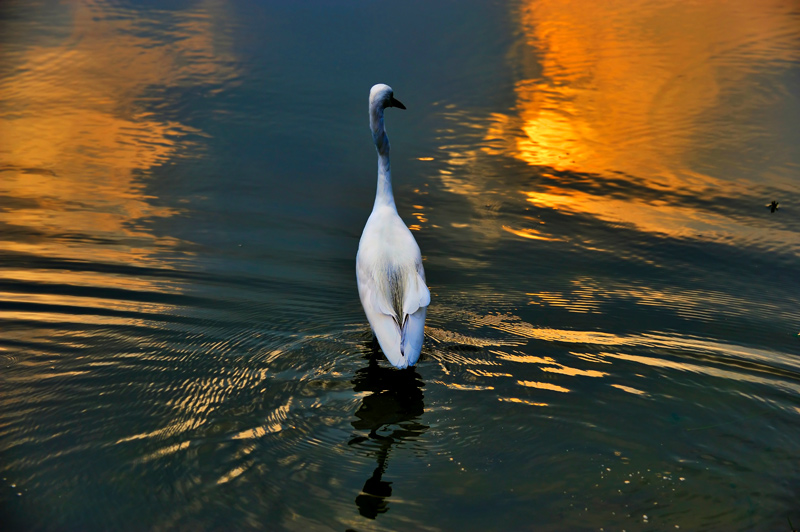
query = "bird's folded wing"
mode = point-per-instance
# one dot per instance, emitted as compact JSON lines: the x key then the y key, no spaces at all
{"x":374,"y":297}
{"x":416,"y":294}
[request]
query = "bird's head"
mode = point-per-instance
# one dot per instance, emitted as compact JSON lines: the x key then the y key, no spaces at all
{"x":382,"y":96}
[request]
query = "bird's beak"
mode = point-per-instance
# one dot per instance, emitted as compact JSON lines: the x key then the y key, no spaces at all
{"x":396,"y":103}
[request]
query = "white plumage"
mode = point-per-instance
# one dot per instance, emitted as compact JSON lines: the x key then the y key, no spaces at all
{"x":391,"y":280}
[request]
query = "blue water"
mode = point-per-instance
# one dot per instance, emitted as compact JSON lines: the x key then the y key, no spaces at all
{"x":614,"y":335}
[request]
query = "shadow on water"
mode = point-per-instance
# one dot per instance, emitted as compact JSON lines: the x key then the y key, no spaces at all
{"x":390,"y":414}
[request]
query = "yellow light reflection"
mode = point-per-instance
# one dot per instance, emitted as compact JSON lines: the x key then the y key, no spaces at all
{"x":464,"y":387}
{"x":574,"y":372}
{"x":622,"y":105}
{"x":512,"y":325}
{"x":549,"y":365}
{"x":544,"y":386}
{"x":531,"y":234}
{"x":80,"y":141}
{"x":625,"y":91}
{"x":628,"y":389}
{"x":521,"y":401}
{"x":620,"y":86}
{"x":484,"y":373}
{"x":525,"y":359}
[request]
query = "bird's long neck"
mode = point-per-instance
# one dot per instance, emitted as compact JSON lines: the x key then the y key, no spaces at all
{"x":384,"y":195}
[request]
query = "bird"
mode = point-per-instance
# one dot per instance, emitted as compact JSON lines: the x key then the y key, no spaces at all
{"x":389,"y":272}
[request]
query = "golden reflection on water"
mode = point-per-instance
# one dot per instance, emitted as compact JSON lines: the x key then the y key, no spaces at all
{"x":629,"y":389}
{"x":78,"y":135}
{"x":624,"y":86}
{"x":592,"y":354}
{"x":544,"y":386}
{"x":646,"y":99}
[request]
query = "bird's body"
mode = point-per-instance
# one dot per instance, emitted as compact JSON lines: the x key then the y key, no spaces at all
{"x":391,"y":280}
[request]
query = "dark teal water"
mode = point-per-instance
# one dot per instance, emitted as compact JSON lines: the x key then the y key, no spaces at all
{"x":613,"y":339}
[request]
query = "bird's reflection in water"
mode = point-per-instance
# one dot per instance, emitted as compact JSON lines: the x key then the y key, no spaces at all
{"x":391,"y":415}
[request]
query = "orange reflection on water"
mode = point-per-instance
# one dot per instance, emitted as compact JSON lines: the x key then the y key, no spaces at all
{"x":574,"y":372}
{"x":543,"y":386}
{"x":78,"y":138}
{"x":629,"y":389}
{"x":625,"y":86}
{"x":632,"y":110}
{"x":549,"y":365}
{"x":531,"y":234}
{"x":521,"y":401}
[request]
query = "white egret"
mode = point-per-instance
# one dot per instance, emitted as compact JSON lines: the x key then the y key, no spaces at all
{"x":391,"y":281}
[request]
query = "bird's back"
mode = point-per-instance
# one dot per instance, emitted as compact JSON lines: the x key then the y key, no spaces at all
{"x":391,"y":285}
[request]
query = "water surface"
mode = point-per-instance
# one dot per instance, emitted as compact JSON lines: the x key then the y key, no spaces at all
{"x":613,"y":337}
